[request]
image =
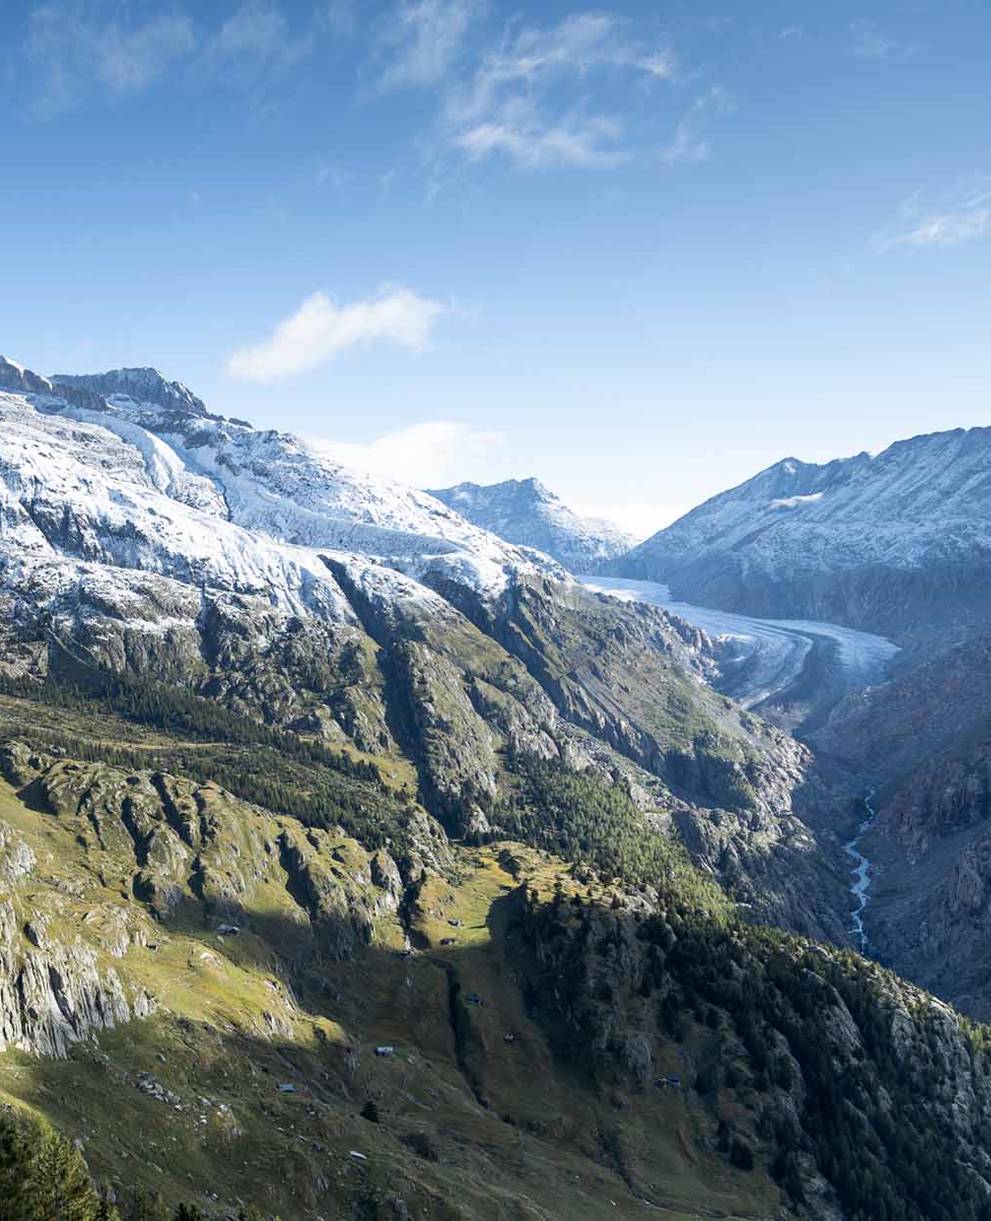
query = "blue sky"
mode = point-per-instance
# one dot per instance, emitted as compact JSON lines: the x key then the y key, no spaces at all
{"x":640,"y":251}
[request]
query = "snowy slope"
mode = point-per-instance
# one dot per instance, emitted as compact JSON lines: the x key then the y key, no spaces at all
{"x":865,"y":540}
{"x":273,"y":482}
{"x":80,"y":503}
{"x":525,"y":512}
{"x":125,"y":514}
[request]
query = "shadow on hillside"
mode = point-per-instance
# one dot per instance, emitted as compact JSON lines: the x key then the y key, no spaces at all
{"x":430,"y":1066}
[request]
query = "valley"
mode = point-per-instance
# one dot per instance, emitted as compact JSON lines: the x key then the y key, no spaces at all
{"x":332,"y":822}
{"x":506,"y":737}
{"x":861,"y":888}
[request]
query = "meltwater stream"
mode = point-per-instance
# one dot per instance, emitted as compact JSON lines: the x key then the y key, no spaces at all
{"x":860,"y":887}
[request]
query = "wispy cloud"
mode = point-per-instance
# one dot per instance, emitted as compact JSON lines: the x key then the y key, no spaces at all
{"x":427,"y":454}
{"x":75,"y":54}
{"x":531,"y":98}
{"x":952,"y":218}
{"x":321,"y":328}
{"x":691,"y":138}
{"x":950,"y":229}
{"x":868,"y":41}
{"x":420,"y":39}
{"x":77,"y":51}
{"x":258,"y":32}
{"x":575,"y":92}
{"x":530,"y":143}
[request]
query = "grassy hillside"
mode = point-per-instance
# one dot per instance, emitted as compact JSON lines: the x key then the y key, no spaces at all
{"x":187,"y":1102}
{"x":194,"y":985}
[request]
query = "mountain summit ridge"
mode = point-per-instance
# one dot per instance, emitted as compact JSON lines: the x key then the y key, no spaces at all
{"x":143,"y":384}
{"x":528,"y":513}
{"x":878,"y":542}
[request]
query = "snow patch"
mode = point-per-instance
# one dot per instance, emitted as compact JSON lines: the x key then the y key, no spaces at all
{"x":793,"y":502}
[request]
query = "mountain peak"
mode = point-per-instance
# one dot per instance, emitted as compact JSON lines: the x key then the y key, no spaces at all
{"x":14,"y":376}
{"x":143,"y":384}
{"x":878,"y":541}
{"x":530,"y":486}
{"x":529,"y":514}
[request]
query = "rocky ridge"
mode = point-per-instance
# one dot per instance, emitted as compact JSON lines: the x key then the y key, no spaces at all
{"x":887,"y":543}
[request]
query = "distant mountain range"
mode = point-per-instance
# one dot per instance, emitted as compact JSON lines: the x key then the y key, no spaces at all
{"x":890,"y":543}
{"x":525,"y":512}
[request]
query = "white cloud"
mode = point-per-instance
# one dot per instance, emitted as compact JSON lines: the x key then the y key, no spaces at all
{"x":428,"y":454}
{"x":77,"y":54}
{"x":422,"y":38}
{"x":321,"y":328}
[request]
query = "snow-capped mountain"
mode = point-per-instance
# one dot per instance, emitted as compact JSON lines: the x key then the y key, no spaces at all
{"x":886,"y":543}
{"x":273,"y":482}
{"x":135,"y":526}
{"x":144,"y":536}
{"x":524,"y":512}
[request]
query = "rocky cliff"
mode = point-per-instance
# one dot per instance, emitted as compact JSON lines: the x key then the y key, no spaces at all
{"x":923,"y":739}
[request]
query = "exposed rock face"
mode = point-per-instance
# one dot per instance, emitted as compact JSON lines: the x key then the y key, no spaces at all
{"x":52,"y":993}
{"x":524,"y":512}
{"x":181,"y":851}
{"x":930,"y":914}
{"x":933,"y":706}
{"x":886,"y":543}
{"x":142,"y":385}
{"x":924,"y":740}
{"x":51,"y":998}
{"x":15,"y":377}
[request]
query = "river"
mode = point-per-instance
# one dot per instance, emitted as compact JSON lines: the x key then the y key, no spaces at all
{"x":860,"y":887}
